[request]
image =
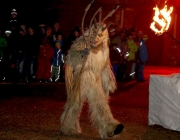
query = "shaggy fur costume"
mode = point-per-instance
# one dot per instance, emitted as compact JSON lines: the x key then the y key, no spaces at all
{"x":89,"y":76}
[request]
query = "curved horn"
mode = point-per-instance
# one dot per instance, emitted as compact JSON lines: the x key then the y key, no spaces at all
{"x":92,"y":21}
{"x":82,"y":26}
{"x":110,"y":14}
{"x":109,"y":25}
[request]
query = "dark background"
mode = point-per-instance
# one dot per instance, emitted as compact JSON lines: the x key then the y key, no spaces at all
{"x":28,"y":11}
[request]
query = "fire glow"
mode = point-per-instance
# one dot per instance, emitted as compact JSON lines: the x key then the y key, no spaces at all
{"x":162,"y":19}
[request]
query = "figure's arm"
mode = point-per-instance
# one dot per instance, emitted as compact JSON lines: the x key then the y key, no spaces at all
{"x":108,"y":79}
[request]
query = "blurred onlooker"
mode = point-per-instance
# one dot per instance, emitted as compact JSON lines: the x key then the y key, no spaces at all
{"x":114,"y":58}
{"x":41,"y":31}
{"x":21,"y":53}
{"x":56,"y":63}
{"x":12,"y":37}
{"x":46,"y":53}
{"x":31,"y":54}
{"x":14,"y":20}
{"x":3,"y":66}
{"x":142,"y":57}
{"x":60,"y":40}
{"x":133,"y":48}
{"x":48,"y":36}
{"x":123,"y":60}
{"x":3,"y":44}
{"x":56,"y":31}
{"x":115,"y":36}
{"x":72,"y":37}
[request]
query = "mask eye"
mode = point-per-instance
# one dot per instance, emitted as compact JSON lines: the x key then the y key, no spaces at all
{"x":100,"y":35}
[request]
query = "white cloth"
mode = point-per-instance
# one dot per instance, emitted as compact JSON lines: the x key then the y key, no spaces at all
{"x":164,"y":101}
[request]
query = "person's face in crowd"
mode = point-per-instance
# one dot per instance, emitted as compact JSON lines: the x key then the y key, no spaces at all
{"x":123,"y":35}
{"x":58,"y":46}
{"x":114,"y":47}
{"x":112,"y":34}
{"x":76,"y":34}
{"x":140,"y":35}
{"x":126,"y":47}
{"x":7,"y":34}
{"x":31,"y":31}
{"x":14,"y":16}
{"x":56,"y":26}
{"x":21,"y":32}
{"x":130,"y":38}
{"x":42,"y":30}
{"x":134,"y":34}
{"x":59,"y":37}
{"x":42,"y":46}
{"x":48,"y":32}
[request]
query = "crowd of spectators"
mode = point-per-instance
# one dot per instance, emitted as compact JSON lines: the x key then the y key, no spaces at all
{"x":33,"y":52}
{"x":128,"y":53}
{"x":36,"y":53}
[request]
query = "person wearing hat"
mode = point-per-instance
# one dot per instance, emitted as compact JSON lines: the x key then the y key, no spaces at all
{"x":14,"y":20}
{"x":56,"y":63}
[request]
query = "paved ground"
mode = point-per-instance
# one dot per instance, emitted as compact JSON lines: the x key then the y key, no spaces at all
{"x":31,"y":111}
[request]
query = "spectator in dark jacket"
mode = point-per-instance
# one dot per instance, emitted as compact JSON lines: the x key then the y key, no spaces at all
{"x":142,"y":57}
{"x":31,"y":54}
{"x":56,"y":63}
{"x":72,"y":37}
{"x":56,"y":31}
{"x":21,"y":50}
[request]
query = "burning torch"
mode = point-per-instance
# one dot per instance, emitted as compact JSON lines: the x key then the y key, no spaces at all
{"x":162,"y":20}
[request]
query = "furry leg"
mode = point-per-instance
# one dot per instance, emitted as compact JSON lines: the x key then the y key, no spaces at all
{"x":101,"y":115}
{"x":70,"y":118}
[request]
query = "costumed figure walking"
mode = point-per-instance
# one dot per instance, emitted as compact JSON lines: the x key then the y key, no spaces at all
{"x":88,"y":75}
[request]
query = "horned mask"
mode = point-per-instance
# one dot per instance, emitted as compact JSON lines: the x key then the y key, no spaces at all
{"x":97,"y":31}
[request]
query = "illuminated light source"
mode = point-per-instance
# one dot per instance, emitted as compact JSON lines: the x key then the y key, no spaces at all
{"x":132,"y":73}
{"x":140,"y":43}
{"x":162,"y":19}
{"x":118,"y":50}
{"x":112,"y":30}
{"x":7,"y":31}
{"x":13,"y":12}
{"x":127,"y":54}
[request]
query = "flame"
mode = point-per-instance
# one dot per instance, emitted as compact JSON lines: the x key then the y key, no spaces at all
{"x":163,"y":22}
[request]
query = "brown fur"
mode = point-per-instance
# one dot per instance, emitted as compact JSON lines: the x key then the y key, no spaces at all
{"x":89,"y":78}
